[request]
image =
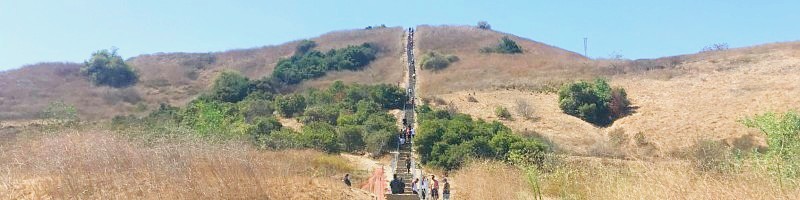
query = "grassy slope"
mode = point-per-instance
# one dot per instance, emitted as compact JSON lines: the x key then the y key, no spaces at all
{"x":479,"y":71}
{"x":176,"y":78}
{"x":99,"y":164}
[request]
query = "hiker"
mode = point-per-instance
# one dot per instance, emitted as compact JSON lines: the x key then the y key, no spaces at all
{"x":396,"y":185}
{"x":423,"y":188}
{"x":402,"y":140}
{"x":446,"y":190}
{"x":412,"y":133}
{"x":414,"y":188}
{"x":347,"y":180}
{"x":408,"y":164}
{"x":435,"y":188}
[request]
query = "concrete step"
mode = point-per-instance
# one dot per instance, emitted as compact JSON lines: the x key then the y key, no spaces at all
{"x":407,"y":196}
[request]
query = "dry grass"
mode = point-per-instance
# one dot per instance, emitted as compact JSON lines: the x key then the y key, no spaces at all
{"x":96,"y":164}
{"x":705,"y":102}
{"x":176,"y":78}
{"x":593,"y":178}
{"x":539,"y":64}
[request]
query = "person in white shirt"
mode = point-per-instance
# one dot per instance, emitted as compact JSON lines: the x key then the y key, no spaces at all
{"x":423,"y":188}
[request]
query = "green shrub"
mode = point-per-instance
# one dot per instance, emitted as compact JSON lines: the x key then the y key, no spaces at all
{"x":58,"y":112}
{"x":352,"y":138}
{"x":213,"y":118}
{"x":783,"y":138}
{"x":264,"y":126}
{"x":506,"y":46}
{"x":305,"y":46}
{"x":592,"y":102}
{"x":321,"y":113}
{"x":437,"y":61}
{"x":313,"y":64}
{"x":284,"y":138}
{"x":502,"y":113}
{"x":448,"y":140}
{"x":108,"y":68}
{"x":230,"y":87}
{"x":320,"y":136}
{"x":484,"y":25}
{"x":253,"y":108}
{"x":289,"y":105}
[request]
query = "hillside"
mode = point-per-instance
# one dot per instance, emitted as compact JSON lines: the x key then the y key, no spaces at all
{"x":539,"y":64}
{"x":677,"y":101}
{"x":176,"y":78}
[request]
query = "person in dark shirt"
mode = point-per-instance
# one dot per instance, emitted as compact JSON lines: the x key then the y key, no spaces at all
{"x":347,"y":180}
{"x":397,"y":185}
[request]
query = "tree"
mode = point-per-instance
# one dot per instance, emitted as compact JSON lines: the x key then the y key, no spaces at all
{"x":596,"y":103}
{"x":484,"y":25}
{"x":265,"y":126}
{"x":305,"y":46}
{"x":352,"y":138}
{"x":290,"y":105}
{"x":321,"y":136}
{"x":230,"y":87}
{"x":108,"y":68}
{"x":506,"y":46}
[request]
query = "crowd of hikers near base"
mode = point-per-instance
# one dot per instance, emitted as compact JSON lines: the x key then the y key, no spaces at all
{"x":425,"y":188}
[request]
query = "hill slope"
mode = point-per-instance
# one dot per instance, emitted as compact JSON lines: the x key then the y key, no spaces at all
{"x":176,"y":78}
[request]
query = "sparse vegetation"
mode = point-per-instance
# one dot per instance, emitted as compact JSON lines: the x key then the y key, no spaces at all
{"x":484,"y":25}
{"x":506,"y":46}
{"x":58,"y":112}
{"x":592,"y":102}
{"x":715,"y":47}
{"x":437,"y":61}
{"x":106,"y":67}
{"x":502,"y":113}
{"x":525,"y":109}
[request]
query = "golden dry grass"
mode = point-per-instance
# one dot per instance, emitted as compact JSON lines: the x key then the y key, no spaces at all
{"x":593,"y":178}
{"x":96,"y":164}
{"x":705,"y":102}
{"x":539,"y":64}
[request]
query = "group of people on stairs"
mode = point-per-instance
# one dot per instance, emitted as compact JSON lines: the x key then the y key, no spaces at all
{"x":425,"y":189}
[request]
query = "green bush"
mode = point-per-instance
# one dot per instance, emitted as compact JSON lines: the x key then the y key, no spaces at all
{"x":264,"y":126}
{"x":484,"y":25}
{"x":284,"y":138}
{"x":352,"y":138}
{"x":230,"y":87}
{"x":506,"y":46}
{"x":437,"y":61}
{"x":108,"y":68}
{"x":290,"y":105}
{"x":313,"y":64}
{"x":251,"y":109}
{"x":305,"y":46}
{"x":502,"y":113}
{"x":321,"y":113}
{"x":58,"y":112}
{"x":592,"y":102}
{"x":783,"y":138}
{"x":213,"y":118}
{"x":446,"y":140}
{"x":320,"y":136}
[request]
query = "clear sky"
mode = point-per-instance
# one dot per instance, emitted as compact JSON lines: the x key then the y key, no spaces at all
{"x":34,"y":31}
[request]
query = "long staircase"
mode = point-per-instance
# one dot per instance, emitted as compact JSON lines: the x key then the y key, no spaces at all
{"x":404,"y":152}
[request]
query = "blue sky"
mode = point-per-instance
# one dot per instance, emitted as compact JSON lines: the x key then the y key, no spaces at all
{"x":34,"y":31}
